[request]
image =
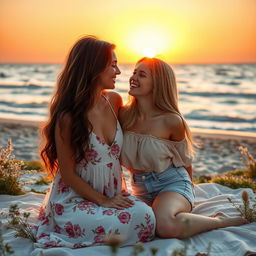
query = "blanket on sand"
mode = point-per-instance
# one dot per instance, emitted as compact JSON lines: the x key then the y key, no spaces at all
{"x":210,"y":199}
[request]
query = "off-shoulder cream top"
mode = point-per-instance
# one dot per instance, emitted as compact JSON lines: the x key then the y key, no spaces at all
{"x":149,"y":153}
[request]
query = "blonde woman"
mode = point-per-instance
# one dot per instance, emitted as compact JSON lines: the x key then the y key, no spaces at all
{"x":158,"y":150}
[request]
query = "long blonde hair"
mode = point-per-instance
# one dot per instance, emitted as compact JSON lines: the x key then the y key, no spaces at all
{"x":165,"y":96}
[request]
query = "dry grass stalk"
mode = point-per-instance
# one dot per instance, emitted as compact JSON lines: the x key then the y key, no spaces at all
{"x":247,"y":210}
{"x":19,"y":223}
{"x":249,"y":161}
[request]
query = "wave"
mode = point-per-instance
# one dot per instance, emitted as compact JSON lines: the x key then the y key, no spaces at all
{"x":3,"y":75}
{"x":182,"y":82}
{"x":220,"y":118}
{"x":25,"y":86}
{"x":220,"y":94}
{"x":230,"y":102}
{"x":31,"y":92}
{"x":214,"y":127}
{"x":18,"y":113}
{"x":228,"y":83}
{"x":24,"y":105}
{"x":44,"y":71}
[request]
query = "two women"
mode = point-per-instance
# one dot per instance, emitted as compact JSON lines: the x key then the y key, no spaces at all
{"x":87,"y":200}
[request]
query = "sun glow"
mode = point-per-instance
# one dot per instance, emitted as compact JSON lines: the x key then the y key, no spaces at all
{"x":149,"y":52}
{"x":149,"y":42}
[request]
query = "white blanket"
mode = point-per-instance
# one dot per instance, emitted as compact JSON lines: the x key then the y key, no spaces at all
{"x":210,"y":199}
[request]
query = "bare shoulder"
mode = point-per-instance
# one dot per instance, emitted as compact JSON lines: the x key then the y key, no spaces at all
{"x":64,"y":120}
{"x":114,"y":98}
{"x":176,"y":126}
{"x":63,"y":126}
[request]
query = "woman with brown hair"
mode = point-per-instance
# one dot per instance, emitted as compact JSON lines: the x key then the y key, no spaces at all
{"x":87,"y":200}
{"x":158,"y":150}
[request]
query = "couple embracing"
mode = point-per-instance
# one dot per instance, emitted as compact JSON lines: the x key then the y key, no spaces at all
{"x":90,"y":134}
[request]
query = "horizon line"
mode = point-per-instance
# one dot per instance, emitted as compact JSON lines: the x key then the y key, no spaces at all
{"x":129,"y":63}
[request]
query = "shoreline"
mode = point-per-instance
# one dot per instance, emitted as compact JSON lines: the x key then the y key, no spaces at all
{"x":217,"y":151}
{"x":213,"y":133}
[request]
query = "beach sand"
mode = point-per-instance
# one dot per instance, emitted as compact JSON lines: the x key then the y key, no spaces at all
{"x":217,"y":150}
{"x":217,"y":153}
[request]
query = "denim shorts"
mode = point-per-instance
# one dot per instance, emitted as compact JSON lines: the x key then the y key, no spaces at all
{"x":146,"y":186}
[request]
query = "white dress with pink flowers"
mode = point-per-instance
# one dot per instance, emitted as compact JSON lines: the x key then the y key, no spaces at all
{"x":68,"y":220}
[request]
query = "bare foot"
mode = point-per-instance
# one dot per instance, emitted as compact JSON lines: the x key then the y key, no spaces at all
{"x":226,"y":220}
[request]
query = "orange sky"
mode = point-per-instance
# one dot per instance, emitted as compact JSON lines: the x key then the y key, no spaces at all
{"x":179,"y":31}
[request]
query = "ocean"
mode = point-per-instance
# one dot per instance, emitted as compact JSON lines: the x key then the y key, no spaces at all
{"x":212,"y":96}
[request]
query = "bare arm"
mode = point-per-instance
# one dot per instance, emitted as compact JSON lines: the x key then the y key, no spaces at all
{"x":67,"y":165}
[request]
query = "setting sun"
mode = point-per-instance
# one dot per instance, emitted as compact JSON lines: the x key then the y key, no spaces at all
{"x":149,"y":41}
{"x":149,"y":52}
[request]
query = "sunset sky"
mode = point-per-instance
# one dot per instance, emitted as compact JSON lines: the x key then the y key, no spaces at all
{"x":178,"y":31}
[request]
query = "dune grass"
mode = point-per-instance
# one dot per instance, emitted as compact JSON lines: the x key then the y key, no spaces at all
{"x":249,"y":161}
{"x":33,"y":165}
{"x":38,"y":192}
{"x":9,"y":171}
{"x":235,"y":182}
{"x":46,"y":180}
{"x":243,"y":178}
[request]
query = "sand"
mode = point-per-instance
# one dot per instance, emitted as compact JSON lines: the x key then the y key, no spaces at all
{"x":217,"y":151}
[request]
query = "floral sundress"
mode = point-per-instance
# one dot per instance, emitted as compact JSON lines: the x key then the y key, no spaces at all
{"x":68,"y":220}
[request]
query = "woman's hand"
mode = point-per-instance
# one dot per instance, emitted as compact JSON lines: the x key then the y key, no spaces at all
{"x":120,"y":201}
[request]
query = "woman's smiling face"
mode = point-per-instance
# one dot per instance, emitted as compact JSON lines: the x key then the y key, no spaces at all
{"x":141,"y":83}
{"x":107,"y":78}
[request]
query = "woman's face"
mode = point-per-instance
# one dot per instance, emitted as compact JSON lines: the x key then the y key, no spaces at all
{"x":107,"y":78}
{"x":141,"y":83}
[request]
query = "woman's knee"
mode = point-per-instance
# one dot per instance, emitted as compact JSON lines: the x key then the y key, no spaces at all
{"x":169,"y":227}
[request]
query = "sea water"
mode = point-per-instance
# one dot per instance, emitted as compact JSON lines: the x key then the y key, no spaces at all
{"x":211,"y":96}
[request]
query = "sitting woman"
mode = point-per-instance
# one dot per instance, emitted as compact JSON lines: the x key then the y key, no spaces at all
{"x":87,"y":200}
{"x":158,"y":151}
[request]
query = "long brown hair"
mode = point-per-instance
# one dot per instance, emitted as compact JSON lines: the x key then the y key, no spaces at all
{"x":75,"y":94}
{"x":165,"y":96}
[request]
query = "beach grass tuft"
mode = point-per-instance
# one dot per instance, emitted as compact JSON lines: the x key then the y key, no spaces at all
{"x":243,"y":178}
{"x":44,"y":181}
{"x":9,"y":171}
{"x":38,"y":192}
{"x":249,"y":161}
{"x":235,"y":182}
{"x":33,"y":165}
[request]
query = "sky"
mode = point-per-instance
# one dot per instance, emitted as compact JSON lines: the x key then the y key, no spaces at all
{"x":177,"y":31}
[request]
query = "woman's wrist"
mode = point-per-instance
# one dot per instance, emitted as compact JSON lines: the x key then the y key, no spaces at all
{"x":101,"y":200}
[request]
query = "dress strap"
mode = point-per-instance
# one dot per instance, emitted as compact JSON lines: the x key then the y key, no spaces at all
{"x":110,"y":105}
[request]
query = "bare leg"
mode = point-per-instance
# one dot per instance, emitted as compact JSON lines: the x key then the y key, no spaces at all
{"x":174,"y":219}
